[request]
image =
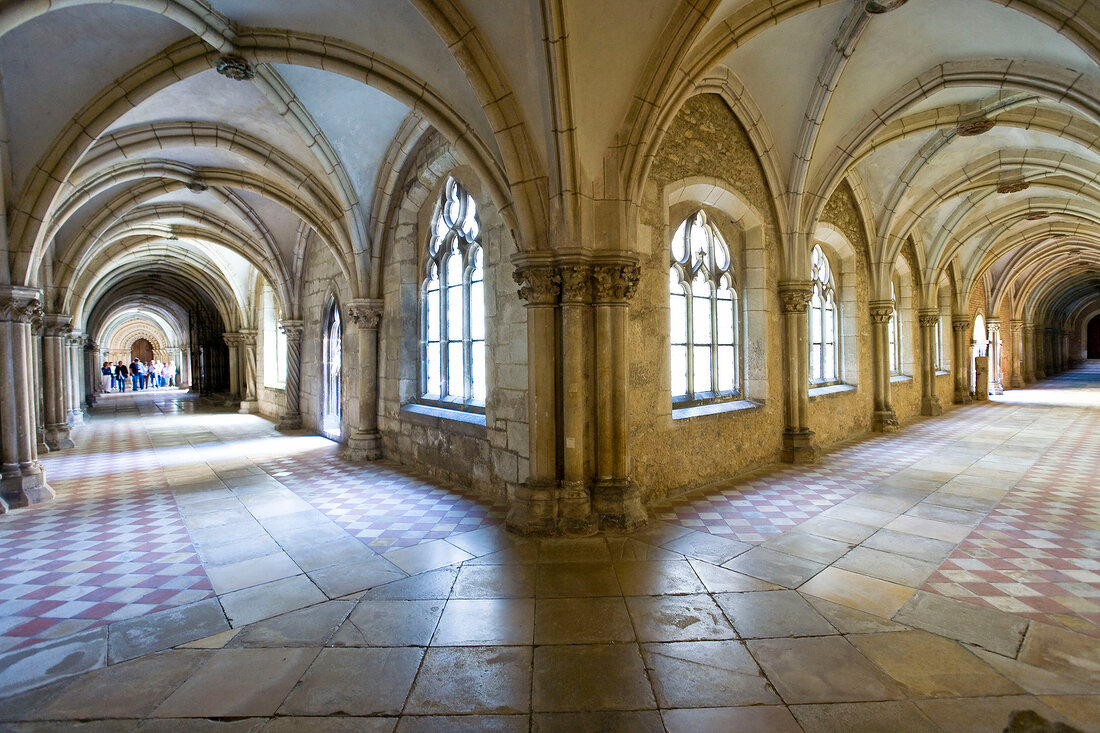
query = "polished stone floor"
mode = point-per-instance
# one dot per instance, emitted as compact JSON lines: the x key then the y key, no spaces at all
{"x":199,"y":571}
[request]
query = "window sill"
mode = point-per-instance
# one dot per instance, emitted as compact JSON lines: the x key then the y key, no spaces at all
{"x":468,"y":423}
{"x":900,"y":378}
{"x":715,"y":408}
{"x":275,"y":389}
{"x":941,"y":373}
{"x":830,"y":390}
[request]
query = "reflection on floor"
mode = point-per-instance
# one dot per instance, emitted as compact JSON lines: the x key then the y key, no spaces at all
{"x":201,"y":566}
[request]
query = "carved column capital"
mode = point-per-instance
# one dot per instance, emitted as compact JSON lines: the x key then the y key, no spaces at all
{"x":615,"y":283}
{"x":248,"y":337}
{"x":1016,"y":326}
{"x":928,"y":318}
{"x":20,"y":305}
{"x":90,"y":345}
{"x":577,"y":283}
{"x":538,"y":284}
{"x":57,"y":325}
{"x":232,"y":339}
{"x":960,"y":324}
{"x":794,"y":296}
{"x":994,"y":325}
{"x":292,"y":329}
{"x":366,"y":313}
{"x":881,"y":310}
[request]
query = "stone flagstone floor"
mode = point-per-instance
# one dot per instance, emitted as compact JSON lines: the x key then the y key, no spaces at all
{"x":199,"y":571}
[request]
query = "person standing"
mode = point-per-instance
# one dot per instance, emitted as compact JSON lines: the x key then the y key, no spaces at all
{"x":120,"y":376}
{"x":135,"y":374}
{"x":108,"y":376}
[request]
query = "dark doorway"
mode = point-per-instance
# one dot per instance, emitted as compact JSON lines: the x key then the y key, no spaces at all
{"x":141,"y":350}
{"x":1094,"y":338}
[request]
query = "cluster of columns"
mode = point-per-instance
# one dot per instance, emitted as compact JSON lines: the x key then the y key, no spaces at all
{"x":364,"y":440}
{"x":577,"y":308}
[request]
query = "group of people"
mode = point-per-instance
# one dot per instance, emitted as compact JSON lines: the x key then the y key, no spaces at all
{"x":142,"y":375}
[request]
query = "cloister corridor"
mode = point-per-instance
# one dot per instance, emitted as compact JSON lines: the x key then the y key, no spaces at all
{"x":201,"y":571}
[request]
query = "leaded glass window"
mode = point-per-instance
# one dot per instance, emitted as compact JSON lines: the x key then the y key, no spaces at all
{"x":703,"y":313}
{"x":452,"y":328}
{"x":823,"y":320}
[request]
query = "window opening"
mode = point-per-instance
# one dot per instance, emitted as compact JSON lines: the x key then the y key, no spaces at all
{"x":330,"y":400}
{"x":823,"y":320}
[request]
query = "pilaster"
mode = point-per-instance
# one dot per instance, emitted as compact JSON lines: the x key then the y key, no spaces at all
{"x":798,"y":439}
{"x":364,"y":440}
{"x":247,"y":357}
{"x":233,"y":341}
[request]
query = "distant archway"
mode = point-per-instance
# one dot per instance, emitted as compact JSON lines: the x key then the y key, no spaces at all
{"x":1094,"y":338}
{"x":142,"y":350}
{"x":330,"y":385}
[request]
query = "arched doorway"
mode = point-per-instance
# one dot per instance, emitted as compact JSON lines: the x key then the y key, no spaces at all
{"x":330,"y":384}
{"x":979,"y":347}
{"x":1094,"y":338}
{"x":141,"y":350}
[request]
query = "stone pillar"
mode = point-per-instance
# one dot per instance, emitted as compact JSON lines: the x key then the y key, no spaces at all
{"x":292,"y":416}
{"x":1048,"y":351}
{"x":616,"y":499}
{"x":929,"y":402}
{"x":55,"y":399}
{"x":798,"y":439}
{"x":884,"y":420}
{"x":981,"y":378}
{"x":247,"y":356}
{"x":576,"y":515}
{"x":1029,"y":353}
{"x":364,"y":440}
{"x":38,"y":394}
{"x":22,"y":480}
{"x":1016,"y":379}
{"x":995,"y":374}
{"x":960,"y":326}
{"x":233,"y":341}
{"x":533,"y":507}
{"x":1063,"y":350}
{"x":185,"y":368}
{"x":92,"y":370}
{"x":75,"y":351}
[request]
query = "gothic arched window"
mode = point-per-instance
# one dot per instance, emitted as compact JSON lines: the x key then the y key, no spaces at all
{"x":452,"y":303}
{"x":893,"y":335}
{"x":823,"y":320}
{"x":704,"y":313}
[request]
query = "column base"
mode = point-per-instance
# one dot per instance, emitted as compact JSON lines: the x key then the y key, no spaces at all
{"x":575,"y":515}
{"x":618,"y":502}
{"x":996,"y":388}
{"x":798,"y":446}
{"x":533,"y":509}
{"x":1015,"y":382}
{"x":1040,"y":375}
{"x":75,"y":417}
{"x":249,"y":407}
{"x":26,"y":489}
{"x":362,"y":447}
{"x":962,"y":398}
{"x":885,"y":421}
{"x":58,"y":437}
{"x":290,"y":422}
{"x":931,"y":406}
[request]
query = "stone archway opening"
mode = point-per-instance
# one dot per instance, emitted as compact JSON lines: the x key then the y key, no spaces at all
{"x":142,"y":350}
{"x":330,"y":397}
{"x":1093,"y":336}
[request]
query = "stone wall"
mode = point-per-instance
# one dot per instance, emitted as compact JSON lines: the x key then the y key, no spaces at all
{"x":322,"y":280}
{"x":841,"y":415}
{"x":673,"y":453}
{"x":491,"y":458}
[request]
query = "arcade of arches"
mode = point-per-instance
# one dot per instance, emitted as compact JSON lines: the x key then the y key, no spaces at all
{"x":576,"y":257}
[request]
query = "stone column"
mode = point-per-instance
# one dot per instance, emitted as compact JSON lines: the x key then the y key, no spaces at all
{"x":75,"y":351}
{"x":1062,"y":344}
{"x":38,"y":396}
{"x":92,"y":370}
{"x":575,"y":510}
{"x":995,"y":374}
{"x":1016,"y":379}
{"x":364,"y":440}
{"x":247,"y":355}
{"x":884,"y":420}
{"x":292,"y":416}
{"x":960,"y":325}
{"x":929,"y":402}
{"x":798,"y":439}
{"x":22,"y":480}
{"x":233,"y":341}
{"x":185,"y":368}
{"x":533,"y":507}
{"x":1029,"y":352}
{"x":55,"y":399}
{"x":616,"y":498}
